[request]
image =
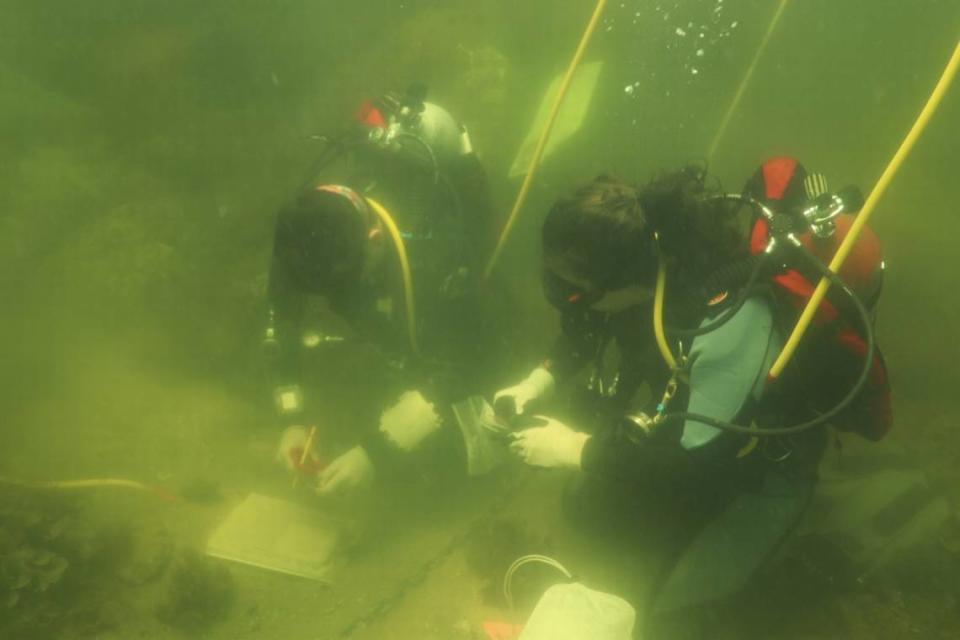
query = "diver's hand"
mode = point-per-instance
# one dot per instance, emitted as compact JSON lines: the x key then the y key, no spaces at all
{"x":290,"y":452}
{"x":352,"y":470}
{"x":554,"y":445}
{"x":539,"y":384}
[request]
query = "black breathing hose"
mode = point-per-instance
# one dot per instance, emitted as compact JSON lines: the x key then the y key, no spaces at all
{"x":760,"y":263}
{"x":335,"y":148}
{"x":431,"y":155}
{"x":824,"y":417}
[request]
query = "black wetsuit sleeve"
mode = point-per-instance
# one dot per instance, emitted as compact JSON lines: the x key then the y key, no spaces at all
{"x":576,"y":345}
{"x":657,"y":461}
{"x":618,"y":457}
{"x":441,"y":451}
{"x":728,"y":366}
{"x":387,"y":459}
{"x":470,"y":187}
{"x":286,"y":310}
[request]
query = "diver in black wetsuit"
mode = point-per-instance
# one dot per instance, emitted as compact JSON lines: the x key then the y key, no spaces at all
{"x":717,"y":502}
{"x":406,"y":164}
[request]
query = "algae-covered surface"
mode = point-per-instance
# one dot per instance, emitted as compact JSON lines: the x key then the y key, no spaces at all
{"x":146,"y":149}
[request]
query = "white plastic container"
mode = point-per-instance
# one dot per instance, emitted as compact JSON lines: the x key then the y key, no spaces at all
{"x":574,"y":612}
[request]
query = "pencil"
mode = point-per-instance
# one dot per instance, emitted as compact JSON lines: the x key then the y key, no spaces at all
{"x":303,"y":456}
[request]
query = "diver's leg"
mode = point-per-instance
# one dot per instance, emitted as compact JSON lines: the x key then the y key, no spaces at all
{"x":728,"y":552}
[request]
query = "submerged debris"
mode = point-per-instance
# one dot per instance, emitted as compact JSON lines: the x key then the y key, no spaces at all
{"x":201,"y":491}
{"x":492,"y":549}
{"x":49,"y":556}
{"x":200,"y":593}
{"x":148,"y":555}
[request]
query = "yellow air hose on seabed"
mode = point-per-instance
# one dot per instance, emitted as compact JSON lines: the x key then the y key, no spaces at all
{"x":93,"y":483}
{"x":846,"y":246}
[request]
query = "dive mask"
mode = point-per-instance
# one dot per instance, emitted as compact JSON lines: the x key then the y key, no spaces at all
{"x":567,"y":296}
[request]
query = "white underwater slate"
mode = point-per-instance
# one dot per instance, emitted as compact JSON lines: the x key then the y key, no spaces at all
{"x":277,"y":535}
{"x":479,"y":426}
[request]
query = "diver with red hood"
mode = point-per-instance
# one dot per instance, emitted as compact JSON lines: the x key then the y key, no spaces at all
{"x":398,"y":221}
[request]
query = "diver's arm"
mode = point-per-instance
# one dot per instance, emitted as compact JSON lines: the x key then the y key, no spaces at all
{"x":286,"y":307}
{"x":469,"y":179}
{"x":643,"y":461}
{"x":403,"y":427}
{"x":726,"y":376}
{"x":570,"y":352}
{"x":573,"y":348}
{"x":412,"y":434}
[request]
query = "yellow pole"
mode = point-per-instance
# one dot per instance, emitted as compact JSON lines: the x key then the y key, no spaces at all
{"x":542,"y":143}
{"x":845,"y":247}
{"x":746,"y":80}
{"x":401,"y":249}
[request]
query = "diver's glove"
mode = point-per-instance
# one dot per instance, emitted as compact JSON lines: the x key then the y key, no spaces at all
{"x":350,"y":471}
{"x":539,"y":384}
{"x":290,"y":452}
{"x":409,"y":421}
{"x":554,"y":445}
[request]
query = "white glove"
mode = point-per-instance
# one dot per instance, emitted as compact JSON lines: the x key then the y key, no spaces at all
{"x":539,"y":384}
{"x":408,"y":422}
{"x":351,"y":470}
{"x":554,"y":445}
{"x":290,"y":452}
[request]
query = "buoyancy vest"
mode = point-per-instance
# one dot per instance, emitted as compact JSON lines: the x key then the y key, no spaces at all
{"x":832,"y":355}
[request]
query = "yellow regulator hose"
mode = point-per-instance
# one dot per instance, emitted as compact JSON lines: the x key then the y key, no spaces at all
{"x":861,"y":219}
{"x":401,"y":249}
{"x":658,"y":315}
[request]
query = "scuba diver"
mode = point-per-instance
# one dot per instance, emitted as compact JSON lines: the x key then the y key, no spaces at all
{"x":390,"y":239}
{"x":715,"y":472}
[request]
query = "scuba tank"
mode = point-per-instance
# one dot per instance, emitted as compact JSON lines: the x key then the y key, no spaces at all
{"x":797,"y":228}
{"x":835,"y":352}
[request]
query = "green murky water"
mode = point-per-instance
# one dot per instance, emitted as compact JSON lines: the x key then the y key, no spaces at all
{"x":146,"y":147}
